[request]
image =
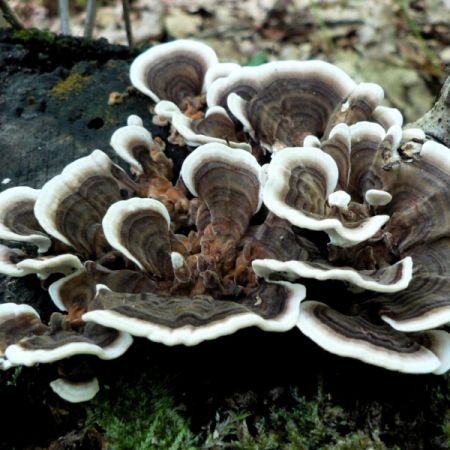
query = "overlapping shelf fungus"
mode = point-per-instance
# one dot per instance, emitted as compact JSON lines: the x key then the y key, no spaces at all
{"x":302,"y":203}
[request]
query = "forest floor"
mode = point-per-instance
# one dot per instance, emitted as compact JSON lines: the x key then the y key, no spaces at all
{"x":251,"y":390}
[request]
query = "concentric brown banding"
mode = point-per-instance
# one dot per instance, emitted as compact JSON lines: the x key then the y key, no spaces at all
{"x":21,"y":220}
{"x":123,"y":280}
{"x":245,"y":88}
{"x":177,"y":76}
{"x":79,"y":215}
{"x":145,"y":235}
{"x":76,"y":292}
{"x":338,"y":149}
{"x":287,"y":110}
{"x":364,"y":165}
{"x":430,"y":287}
{"x":216,"y":125}
{"x":61,"y":334}
{"x":175,"y":311}
{"x":231,"y":194}
{"x":19,"y":327}
{"x":424,"y":295}
{"x":420,"y":205}
{"x":307,"y":190}
{"x":358,"y":328}
{"x":275,"y":239}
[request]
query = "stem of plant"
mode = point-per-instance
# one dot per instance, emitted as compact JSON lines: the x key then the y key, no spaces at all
{"x":9,"y":15}
{"x":126,"y":17}
{"x":64,"y":16}
{"x":90,"y":18}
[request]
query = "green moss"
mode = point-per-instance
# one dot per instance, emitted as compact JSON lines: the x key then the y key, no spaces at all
{"x":309,"y":424}
{"x":141,"y":416}
{"x":14,"y":375}
{"x":27,"y":34}
{"x":73,"y":82}
{"x":444,"y":397}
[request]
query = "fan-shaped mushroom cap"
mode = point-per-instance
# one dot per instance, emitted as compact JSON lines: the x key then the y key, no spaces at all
{"x":387,"y":279}
{"x":45,"y":266}
{"x":62,"y":342}
{"x":133,"y":143}
{"x":165,"y":110}
{"x":17,"y":322}
{"x":298,"y":185}
{"x":219,"y":70}
{"x":285,"y":101}
{"x":9,"y":257}
{"x":16,"y":263}
{"x":387,"y":117}
{"x":275,"y":239}
{"x":377,"y":197}
{"x":356,"y":337}
{"x":172,"y":71}
{"x":359,"y":106}
{"x":174,"y":320}
{"x":67,"y":208}
{"x":339,"y":199}
{"x":366,"y":138}
{"x":410,"y":134}
{"x":338,"y":146}
{"x":72,"y":292}
{"x":420,"y":190}
{"x":426,"y":303}
{"x":216,"y":126}
{"x":228,"y":181}
{"x":17,"y":221}
{"x":139,"y":228}
{"x":244,"y":82}
{"x":440,"y":343}
{"x":75,"y":391}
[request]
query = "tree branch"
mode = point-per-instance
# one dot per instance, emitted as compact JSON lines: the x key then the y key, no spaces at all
{"x":90,"y":18}
{"x":436,"y":122}
{"x":9,"y":15}
{"x":64,"y":16}
{"x":126,"y":17}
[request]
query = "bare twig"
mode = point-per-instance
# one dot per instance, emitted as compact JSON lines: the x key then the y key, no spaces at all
{"x":90,"y":18}
{"x":436,"y":122}
{"x":64,"y":16}
{"x":126,"y":17}
{"x":9,"y":15}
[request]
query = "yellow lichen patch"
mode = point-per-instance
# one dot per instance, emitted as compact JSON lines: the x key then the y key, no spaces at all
{"x":73,"y":82}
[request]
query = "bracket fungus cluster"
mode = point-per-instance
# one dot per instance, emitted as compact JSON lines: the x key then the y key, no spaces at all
{"x":302,"y":204}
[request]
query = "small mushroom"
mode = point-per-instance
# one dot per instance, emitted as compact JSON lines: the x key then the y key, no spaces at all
{"x":75,"y":391}
{"x":174,"y":71}
{"x":216,"y":126}
{"x":17,"y":322}
{"x":296,"y":171}
{"x":68,"y":211}
{"x":427,"y":199}
{"x":17,"y":221}
{"x":387,"y":279}
{"x":356,"y":337}
{"x":139,"y":228}
{"x":229,"y":182}
{"x":62,"y":341}
{"x":288,"y":100}
{"x":174,"y":320}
